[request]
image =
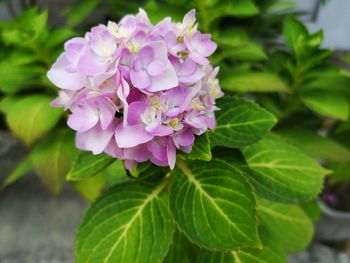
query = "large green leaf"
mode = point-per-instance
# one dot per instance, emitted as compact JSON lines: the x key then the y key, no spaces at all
{"x":87,"y":164}
{"x":254,"y":82}
{"x":240,"y":122}
{"x":265,"y":255}
{"x":287,"y":225}
{"x":31,"y":117}
{"x":129,"y":223}
{"x":327,"y":103}
{"x":282,"y":172}
{"x":200,"y":149}
{"x":214,"y":205}
{"x":321,"y":148}
{"x":52,"y":158}
{"x":181,"y":250}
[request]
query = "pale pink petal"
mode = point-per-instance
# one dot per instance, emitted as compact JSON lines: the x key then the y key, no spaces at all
{"x":138,"y":153}
{"x":206,"y":48}
{"x":91,"y":64}
{"x":183,"y":138}
{"x":83,"y":119}
{"x":135,"y":110}
{"x":59,"y":76}
{"x":131,"y":135}
{"x":140,"y":79}
{"x":164,"y":81}
{"x":95,"y":139}
{"x":158,"y":147}
{"x":156,"y":68}
{"x":199,"y":59}
{"x":171,"y":154}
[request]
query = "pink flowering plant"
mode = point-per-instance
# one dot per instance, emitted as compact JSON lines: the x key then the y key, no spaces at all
{"x":136,"y":91}
{"x":202,"y":167}
{"x":187,"y":173}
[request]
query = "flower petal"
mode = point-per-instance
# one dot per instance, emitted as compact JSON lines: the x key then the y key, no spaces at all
{"x":59,"y":76}
{"x":140,"y":79}
{"x":131,"y":135}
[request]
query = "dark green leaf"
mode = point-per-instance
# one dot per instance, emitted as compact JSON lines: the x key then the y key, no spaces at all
{"x":214,"y":205}
{"x":129,"y":223}
{"x":87,"y":164}
{"x":327,"y":103}
{"x":318,"y":147}
{"x":200,"y":149}
{"x":240,"y":122}
{"x":282,"y":172}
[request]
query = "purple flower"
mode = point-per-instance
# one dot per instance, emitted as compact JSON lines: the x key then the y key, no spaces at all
{"x":136,"y":91}
{"x":151,"y":69}
{"x":200,"y":47}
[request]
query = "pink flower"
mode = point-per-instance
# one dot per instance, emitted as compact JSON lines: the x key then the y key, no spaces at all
{"x":136,"y":91}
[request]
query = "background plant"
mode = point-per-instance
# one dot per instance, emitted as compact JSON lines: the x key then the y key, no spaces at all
{"x":266,"y":174}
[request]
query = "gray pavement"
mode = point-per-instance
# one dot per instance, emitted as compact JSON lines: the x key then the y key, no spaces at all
{"x":35,"y":226}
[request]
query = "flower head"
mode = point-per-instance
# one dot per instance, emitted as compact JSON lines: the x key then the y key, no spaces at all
{"x":137,"y":91}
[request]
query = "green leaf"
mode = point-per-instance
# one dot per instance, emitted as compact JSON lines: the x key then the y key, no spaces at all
{"x":254,"y":82}
{"x":318,"y":147}
{"x":341,"y":173}
{"x":327,"y":103}
{"x":52,"y":157}
{"x":231,"y":37}
{"x":90,"y":188}
{"x":280,"y":171}
{"x":21,"y":169}
{"x":200,"y":149}
{"x":88,"y":164}
{"x":240,"y":122}
{"x":315,"y":40}
{"x":78,"y":12}
{"x":247,"y":52}
{"x":18,"y":72}
{"x":213,"y":205}
{"x":129,"y":223}
{"x":289,"y":227}
{"x":31,"y":117}
{"x":116,"y":173}
{"x":265,"y":255}
{"x":27,"y":30}
{"x":295,"y":33}
{"x":58,"y":36}
{"x":241,"y":8}
{"x":312,"y":209}
{"x":181,"y":250}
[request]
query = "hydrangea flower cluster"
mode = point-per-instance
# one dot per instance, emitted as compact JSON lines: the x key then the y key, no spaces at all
{"x":138,"y":91}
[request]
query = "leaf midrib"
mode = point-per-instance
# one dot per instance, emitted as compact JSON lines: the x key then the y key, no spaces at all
{"x":139,"y":211}
{"x":191,"y":177}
